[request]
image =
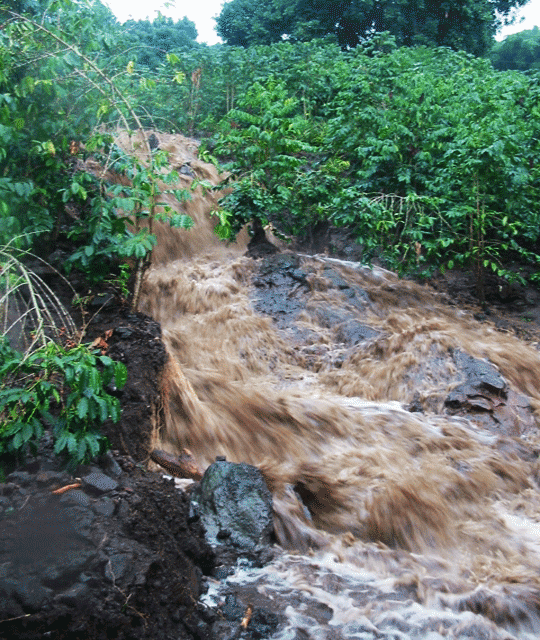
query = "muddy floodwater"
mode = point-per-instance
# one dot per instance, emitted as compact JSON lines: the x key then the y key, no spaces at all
{"x":397,"y":434}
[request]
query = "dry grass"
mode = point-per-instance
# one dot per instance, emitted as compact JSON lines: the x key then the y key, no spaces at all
{"x":30,"y":312}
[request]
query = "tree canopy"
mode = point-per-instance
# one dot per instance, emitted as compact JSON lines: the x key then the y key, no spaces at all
{"x":154,"y":40}
{"x":520,"y":51}
{"x":465,"y":24}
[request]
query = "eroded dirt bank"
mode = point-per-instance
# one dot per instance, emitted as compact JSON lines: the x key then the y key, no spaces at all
{"x":106,"y":550}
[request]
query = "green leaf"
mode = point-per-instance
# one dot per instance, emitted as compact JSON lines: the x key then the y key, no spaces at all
{"x":103,"y":409}
{"x":92,"y":441}
{"x":114,"y":410}
{"x":27,"y":431}
{"x":81,"y":449}
{"x":120,"y":375}
{"x":17,"y":440}
{"x":83,"y":408}
{"x":61,"y":442}
{"x":71,"y":441}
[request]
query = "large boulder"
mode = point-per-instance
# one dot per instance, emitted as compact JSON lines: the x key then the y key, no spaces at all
{"x":485,"y":397}
{"x":235,"y":505}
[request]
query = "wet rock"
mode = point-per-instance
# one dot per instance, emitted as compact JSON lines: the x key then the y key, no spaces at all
{"x":20,"y":478}
{"x":352,"y":332}
{"x":105,"y":508}
{"x":101,"y":300}
{"x":186,"y":170}
{"x":6,"y":489}
{"x":43,"y":546}
{"x":98,"y":483}
{"x":73,"y":560}
{"x":235,"y":505}
{"x":110,"y":466}
{"x":74,"y":595}
{"x":263,"y":624}
{"x":275,"y":268}
{"x":480,"y":374}
{"x":344,"y":323}
{"x":328,"y":316}
{"x":485,"y":396}
{"x":52,"y":478}
{"x":259,"y":245}
{"x":78,"y":497}
{"x":153,"y":142}
{"x":232,"y":610}
{"x":278,"y":279}
{"x":337,"y":280}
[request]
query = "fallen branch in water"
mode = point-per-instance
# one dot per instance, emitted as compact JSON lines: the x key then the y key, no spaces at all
{"x":182,"y":466}
{"x":247,"y":617}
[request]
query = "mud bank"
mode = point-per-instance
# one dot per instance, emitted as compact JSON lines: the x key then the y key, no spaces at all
{"x":106,"y":550}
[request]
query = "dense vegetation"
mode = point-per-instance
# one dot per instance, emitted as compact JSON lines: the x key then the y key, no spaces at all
{"x":430,"y":155}
{"x":468,"y":25}
{"x":520,"y":51}
{"x":425,"y":152}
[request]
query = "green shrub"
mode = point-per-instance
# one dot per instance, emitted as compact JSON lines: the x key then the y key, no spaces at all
{"x":62,"y":388}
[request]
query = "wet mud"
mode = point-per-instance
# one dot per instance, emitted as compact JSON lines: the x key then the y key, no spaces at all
{"x":109,"y":549}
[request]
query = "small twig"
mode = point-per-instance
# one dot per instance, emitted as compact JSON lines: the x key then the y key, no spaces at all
{"x":67,"y":487}
{"x":26,"y":615}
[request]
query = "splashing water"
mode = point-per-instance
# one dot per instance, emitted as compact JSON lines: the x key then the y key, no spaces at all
{"x":396,"y":518}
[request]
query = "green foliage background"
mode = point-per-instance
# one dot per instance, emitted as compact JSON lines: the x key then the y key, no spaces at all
{"x":519,"y":51}
{"x":469,"y":25}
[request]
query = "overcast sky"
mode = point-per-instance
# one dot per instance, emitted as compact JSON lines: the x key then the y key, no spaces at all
{"x":201,"y":13}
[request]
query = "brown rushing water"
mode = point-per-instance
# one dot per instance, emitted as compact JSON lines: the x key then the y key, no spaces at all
{"x":393,"y":524}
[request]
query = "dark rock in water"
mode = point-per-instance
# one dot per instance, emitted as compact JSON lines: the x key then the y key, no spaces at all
{"x":232,"y":609}
{"x":480,"y":374}
{"x":186,"y":170}
{"x":263,"y":624}
{"x":97,"y":483}
{"x":235,"y":505}
{"x":485,"y":397}
{"x":352,"y":332}
{"x":327,"y":316}
{"x":153,"y":142}
{"x":346,"y":327}
{"x":277,"y":277}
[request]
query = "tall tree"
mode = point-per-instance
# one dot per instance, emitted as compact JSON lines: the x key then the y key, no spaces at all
{"x":154,"y":40}
{"x":520,"y":51}
{"x":460,"y":24}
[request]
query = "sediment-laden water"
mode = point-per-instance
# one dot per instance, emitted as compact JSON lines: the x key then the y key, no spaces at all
{"x":406,"y":505}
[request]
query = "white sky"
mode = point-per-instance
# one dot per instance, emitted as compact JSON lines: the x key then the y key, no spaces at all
{"x":201,"y":13}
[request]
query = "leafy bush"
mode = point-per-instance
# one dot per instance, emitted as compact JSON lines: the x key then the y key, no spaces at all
{"x":446,"y":128}
{"x":60,"y":387}
{"x":269,"y":141}
{"x":429,"y":155}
